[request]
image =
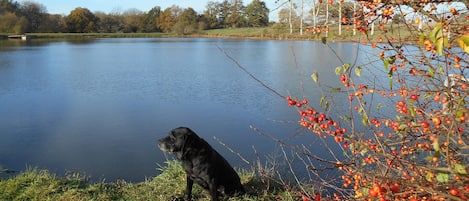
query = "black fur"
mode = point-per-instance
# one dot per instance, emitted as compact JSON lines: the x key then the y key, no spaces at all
{"x":202,"y":163}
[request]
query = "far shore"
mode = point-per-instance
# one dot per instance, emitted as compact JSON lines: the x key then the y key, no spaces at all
{"x":258,"y":33}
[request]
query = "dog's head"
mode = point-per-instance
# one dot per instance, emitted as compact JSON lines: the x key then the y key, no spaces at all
{"x":176,"y":140}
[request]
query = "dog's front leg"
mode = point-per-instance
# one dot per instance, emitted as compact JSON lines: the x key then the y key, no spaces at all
{"x":189,"y":184}
{"x":213,"y":190}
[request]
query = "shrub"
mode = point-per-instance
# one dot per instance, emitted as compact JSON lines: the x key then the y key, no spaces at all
{"x":417,"y":149}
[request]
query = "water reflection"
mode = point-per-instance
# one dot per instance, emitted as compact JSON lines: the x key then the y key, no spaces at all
{"x":98,"y":106}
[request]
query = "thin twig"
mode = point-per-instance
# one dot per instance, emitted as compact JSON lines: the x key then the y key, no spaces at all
{"x":249,"y":73}
{"x":233,"y":151}
{"x":292,"y":171}
{"x":296,"y":148}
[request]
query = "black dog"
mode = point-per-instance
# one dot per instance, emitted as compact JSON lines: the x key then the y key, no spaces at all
{"x":202,"y":164}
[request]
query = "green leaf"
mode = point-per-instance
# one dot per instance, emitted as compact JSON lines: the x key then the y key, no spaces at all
{"x":411,"y":109}
{"x":439,"y":46}
{"x":378,"y":106}
{"x":392,"y":59}
{"x":402,"y":127}
{"x":314,"y":76}
{"x":459,"y":113}
{"x":428,"y":95}
{"x":460,"y":169}
{"x":336,"y":89}
{"x":441,"y":68}
{"x":442,"y":177}
{"x":429,"y":176}
{"x":342,"y":69}
{"x":464,"y":43}
{"x":429,"y":158}
{"x":358,"y":71}
{"x":338,"y":70}
{"x":386,"y":64}
{"x":323,"y":98}
{"x":465,"y":39}
{"x":436,"y":36}
{"x":346,"y":67}
{"x":436,"y":146}
{"x":363,"y":151}
{"x":422,"y":39}
{"x":436,"y":33}
{"x":431,"y":73}
{"x":364,"y":119}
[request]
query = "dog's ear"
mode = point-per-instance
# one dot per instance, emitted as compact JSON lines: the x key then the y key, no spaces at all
{"x":190,"y":139}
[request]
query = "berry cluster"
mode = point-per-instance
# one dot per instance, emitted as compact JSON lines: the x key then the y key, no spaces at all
{"x":318,"y":122}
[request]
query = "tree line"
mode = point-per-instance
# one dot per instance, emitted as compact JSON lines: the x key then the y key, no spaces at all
{"x":30,"y":17}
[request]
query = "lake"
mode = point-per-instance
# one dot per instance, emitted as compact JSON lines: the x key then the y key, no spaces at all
{"x":98,"y":106}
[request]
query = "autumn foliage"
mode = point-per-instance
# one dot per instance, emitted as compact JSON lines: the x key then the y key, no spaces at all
{"x":420,"y":150}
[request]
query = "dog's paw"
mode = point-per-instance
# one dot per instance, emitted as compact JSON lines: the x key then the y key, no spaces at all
{"x":176,"y":198}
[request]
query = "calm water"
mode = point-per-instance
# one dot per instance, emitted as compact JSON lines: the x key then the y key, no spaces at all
{"x":98,"y":106}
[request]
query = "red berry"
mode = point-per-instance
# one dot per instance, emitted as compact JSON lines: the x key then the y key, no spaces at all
{"x":322,"y":115}
{"x":395,"y":188}
{"x":401,"y":104}
{"x":454,"y":192}
{"x":318,"y":197}
{"x":343,"y":78}
{"x":345,"y":145}
{"x":372,"y":193}
{"x":424,"y":124}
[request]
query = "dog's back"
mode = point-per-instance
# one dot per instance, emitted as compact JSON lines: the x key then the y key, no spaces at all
{"x":203,"y":157}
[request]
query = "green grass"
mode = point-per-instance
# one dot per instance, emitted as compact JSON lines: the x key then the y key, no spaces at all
{"x":35,"y":184}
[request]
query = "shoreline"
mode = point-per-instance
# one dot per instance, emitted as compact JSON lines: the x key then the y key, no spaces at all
{"x":346,"y":37}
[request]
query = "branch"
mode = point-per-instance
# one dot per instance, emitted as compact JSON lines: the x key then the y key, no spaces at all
{"x":249,"y":73}
{"x":416,"y":2}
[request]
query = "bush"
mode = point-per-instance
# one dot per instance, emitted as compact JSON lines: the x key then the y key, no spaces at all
{"x":418,"y":148}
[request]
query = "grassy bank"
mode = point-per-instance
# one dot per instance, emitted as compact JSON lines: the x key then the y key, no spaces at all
{"x":273,"y":32}
{"x":34,"y":184}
